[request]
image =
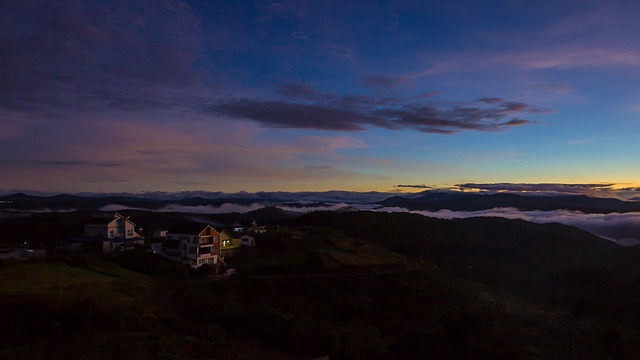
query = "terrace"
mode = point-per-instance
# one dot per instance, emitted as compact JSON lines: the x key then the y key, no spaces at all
{"x":206,"y":240}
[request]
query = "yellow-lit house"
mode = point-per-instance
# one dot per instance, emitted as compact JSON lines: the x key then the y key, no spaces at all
{"x":229,"y":245}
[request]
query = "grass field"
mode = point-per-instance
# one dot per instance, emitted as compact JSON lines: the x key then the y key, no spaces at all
{"x":136,"y":305}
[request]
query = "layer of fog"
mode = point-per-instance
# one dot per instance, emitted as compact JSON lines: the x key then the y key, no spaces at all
{"x":622,"y":228}
{"x":226,"y":208}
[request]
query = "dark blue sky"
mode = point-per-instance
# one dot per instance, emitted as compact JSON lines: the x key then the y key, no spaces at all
{"x":356,"y":95}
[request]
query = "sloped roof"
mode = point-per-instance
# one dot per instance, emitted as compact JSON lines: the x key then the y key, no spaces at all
{"x":225,"y":234}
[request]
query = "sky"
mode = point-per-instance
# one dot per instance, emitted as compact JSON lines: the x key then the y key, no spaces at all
{"x":137,"y":96}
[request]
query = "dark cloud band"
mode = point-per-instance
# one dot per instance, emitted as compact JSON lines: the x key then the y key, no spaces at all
{"x":304,"y":108}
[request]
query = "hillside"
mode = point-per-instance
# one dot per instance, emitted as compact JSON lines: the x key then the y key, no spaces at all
{"x":553,"y":264}
{"x":353,"y":285}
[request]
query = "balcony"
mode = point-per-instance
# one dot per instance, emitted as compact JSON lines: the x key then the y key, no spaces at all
{"x":205,"y":241}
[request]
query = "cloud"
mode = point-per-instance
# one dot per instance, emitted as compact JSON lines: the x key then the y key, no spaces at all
{"x":623,"y":229}
{"x":226,"y":208}
{"x":78,"y":54}
{"x":358,"y":113}
{"x":119,"y":207}
{"x":566,"y":58}
{"x":72,"y":163}
{"x":421,"y":186}
{"x":335,"y":196}
{"x":541,"y":58}
{"x":490,"y":100}
{"x":208,"y":209}
{"x":283,"y":114}
{"x":548,"y":188}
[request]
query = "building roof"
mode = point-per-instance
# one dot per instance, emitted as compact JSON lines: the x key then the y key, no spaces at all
{"x":225,"y":234}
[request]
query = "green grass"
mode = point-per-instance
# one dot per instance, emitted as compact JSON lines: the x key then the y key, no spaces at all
{"x":317,"y":250}
{"x":137,"y":305}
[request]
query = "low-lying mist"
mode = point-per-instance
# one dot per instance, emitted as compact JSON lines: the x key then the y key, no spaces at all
{"x":622,"y":228}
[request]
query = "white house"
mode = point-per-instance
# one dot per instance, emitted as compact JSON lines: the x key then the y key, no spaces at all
{"x":192,"y":244}
{"x":247,"y":240}
{"x":115,"y":227}
{"x":110,"y":233}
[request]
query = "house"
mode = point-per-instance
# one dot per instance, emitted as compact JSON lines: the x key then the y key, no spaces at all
{"x":247,"y":240}
{"x":243,"y":225}
{"x":259,"y":229}
{"x":107,"y":233}
{"x":192,"y":244}
{"x":230,"y":246}
{"x":111,"y":227}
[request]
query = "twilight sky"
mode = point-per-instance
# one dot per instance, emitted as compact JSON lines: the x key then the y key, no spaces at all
{"x":107,"y":96}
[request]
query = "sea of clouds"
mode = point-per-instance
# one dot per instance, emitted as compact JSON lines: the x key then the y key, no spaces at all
{"x":622,"y":228}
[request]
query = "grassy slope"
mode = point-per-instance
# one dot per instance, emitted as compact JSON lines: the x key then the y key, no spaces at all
{"x":85,"y":306}
{"x":317,"y":250}
{"x":88,"y":307}
{"x":78,"y":307}
{"x":136,"y":305}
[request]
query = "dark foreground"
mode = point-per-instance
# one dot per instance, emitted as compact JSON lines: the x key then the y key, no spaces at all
{"x":365,"y":286}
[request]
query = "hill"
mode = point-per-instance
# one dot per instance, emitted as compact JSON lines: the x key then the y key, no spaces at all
{"x":554,"y":264}
{"x":434,"y":201}
{"x":351,"y":285}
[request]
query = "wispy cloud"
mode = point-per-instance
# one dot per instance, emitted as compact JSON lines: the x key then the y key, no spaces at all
{"x":71,"y":163}
{"x":414,"y":186}
{"x":541,"y":58}
{"x":227,"y":208}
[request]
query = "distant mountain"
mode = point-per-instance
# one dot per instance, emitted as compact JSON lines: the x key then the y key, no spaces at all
{"x":476,"y":202}
{"x":431,"y":201}
{"x":270,"y":215}
{"x":200,"y":201}
{"x":25,"y":202}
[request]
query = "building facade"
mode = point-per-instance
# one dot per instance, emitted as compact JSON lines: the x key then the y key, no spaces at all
{"x":192,"y":244}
